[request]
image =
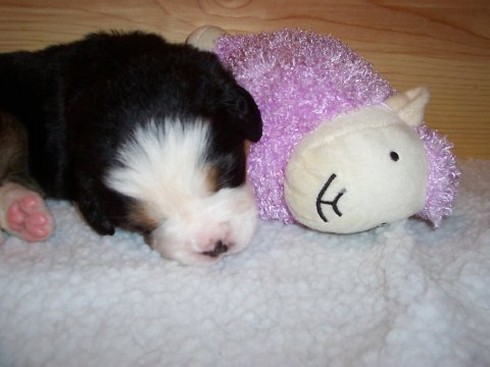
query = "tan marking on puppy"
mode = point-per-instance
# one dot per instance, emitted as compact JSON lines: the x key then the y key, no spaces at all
{"x":246,"y":147}
{"x":14,"y":153}
{"x":13,"y":145}
{"x":141,"y":216}
{"x":212,"y":172}
{"x":212,"y":175}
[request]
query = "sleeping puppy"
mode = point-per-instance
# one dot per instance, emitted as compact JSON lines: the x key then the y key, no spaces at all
{"x":139,"y":133}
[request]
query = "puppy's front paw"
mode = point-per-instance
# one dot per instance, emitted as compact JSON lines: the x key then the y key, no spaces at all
{"x":94,"y":216}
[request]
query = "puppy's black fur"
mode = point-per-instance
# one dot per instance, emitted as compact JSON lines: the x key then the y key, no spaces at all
{"x":79,"y":103}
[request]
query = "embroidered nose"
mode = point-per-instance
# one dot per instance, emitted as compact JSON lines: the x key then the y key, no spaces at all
{"x":219,"y":248}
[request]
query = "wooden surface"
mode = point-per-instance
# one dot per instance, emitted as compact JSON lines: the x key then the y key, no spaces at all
{"x":443,"y":44}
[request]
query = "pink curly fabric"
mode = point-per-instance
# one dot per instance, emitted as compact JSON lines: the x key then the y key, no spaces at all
{"x":443,"y":179}
{"x":299,"y":79}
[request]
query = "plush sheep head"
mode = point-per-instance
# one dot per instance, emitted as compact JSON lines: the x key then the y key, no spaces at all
{"x":360,"y":169}
{"x":341,"y":151}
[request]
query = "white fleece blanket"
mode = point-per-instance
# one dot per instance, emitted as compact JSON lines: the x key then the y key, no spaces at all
{"x":400,"y":295}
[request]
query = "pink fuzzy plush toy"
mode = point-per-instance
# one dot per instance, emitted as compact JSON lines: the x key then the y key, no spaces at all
{"x":341,"y":151}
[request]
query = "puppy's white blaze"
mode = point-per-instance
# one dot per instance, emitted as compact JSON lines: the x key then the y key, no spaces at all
{"x":163,"y":163}
{"x":164,"y":168}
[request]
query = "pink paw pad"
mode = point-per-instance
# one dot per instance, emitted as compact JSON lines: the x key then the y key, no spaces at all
{"x":28,"y":218}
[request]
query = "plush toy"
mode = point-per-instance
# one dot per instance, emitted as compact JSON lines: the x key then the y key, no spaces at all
{"x":341,"y":151}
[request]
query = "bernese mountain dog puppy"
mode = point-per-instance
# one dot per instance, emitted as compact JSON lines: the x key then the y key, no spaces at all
{"x":139,"y":133}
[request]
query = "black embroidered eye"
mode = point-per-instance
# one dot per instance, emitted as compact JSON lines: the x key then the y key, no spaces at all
{"x":394,"y":156}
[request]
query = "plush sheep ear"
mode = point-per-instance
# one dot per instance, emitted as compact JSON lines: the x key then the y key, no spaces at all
{"x":204,"y":38}
{"x":410,"y":105}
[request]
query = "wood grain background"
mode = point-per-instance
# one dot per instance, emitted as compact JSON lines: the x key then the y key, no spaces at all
{"x":443,"y":44}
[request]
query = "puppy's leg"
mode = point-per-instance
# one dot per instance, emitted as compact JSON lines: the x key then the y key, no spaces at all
{"x":22,"y":209}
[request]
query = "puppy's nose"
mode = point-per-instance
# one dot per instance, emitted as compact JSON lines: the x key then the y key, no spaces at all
{"x":219,"y":248}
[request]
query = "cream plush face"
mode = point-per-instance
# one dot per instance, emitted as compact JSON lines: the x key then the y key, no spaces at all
{"x":361,"y":169}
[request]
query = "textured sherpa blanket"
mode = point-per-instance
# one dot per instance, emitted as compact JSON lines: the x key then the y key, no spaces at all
{"x":400,"y":295}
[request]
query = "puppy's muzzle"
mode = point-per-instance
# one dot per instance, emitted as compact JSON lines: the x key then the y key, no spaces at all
{"x":219,"y":248}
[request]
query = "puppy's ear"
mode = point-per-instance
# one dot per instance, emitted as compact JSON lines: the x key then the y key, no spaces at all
{"x":241,"y":109}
